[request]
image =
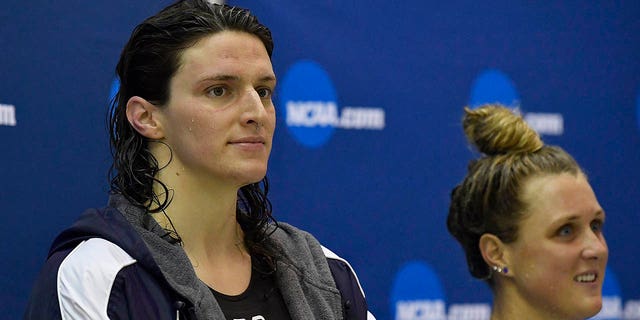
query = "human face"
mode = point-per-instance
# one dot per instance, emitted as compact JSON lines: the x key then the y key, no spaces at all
{"x":219,"y":120}
{"x":559,"y":259}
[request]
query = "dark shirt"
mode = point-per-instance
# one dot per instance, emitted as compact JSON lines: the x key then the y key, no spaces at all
{"x":261,"y":301}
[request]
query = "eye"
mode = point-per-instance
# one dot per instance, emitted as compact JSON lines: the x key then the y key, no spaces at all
{"x":565,"y":231}
{"x":264,"y":92}
{"x":596,"y":226}
{"x":216,"y":91}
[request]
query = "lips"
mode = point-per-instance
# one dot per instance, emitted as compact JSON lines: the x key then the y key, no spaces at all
{"x":251,"y":139}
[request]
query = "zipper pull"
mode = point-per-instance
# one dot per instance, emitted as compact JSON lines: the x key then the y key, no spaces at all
{"x":178,"y":305}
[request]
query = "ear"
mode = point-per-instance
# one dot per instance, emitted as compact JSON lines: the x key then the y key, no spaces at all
{"x":493,"y":251}
{"x":144,"y":118}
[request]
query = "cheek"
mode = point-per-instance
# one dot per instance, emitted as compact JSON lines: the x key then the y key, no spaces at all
{"x":198,"y":137}
{"x":202,"y":126}
{"x":547,"y":262}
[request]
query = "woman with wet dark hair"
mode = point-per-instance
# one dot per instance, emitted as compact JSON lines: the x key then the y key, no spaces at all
{"x":528,"y":221}
{"x":188,"y":232}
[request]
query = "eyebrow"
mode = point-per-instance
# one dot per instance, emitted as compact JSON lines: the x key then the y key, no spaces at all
{"x":224,"y":77}
{"x":599,"y":213}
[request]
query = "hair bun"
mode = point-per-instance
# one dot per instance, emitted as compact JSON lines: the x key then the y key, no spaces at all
{"x":495,"y":129}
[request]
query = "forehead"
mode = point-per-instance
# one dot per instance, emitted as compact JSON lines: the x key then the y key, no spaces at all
{"x":550,"y":198}
{"x":228,"y":48}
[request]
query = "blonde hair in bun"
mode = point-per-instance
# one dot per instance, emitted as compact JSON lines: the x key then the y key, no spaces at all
{"x":495,"y":130}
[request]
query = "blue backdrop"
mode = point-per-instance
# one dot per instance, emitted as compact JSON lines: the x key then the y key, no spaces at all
{"x":368,"y":143}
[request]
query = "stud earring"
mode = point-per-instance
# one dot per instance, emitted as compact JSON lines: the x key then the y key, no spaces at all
{"x":500,"y":269}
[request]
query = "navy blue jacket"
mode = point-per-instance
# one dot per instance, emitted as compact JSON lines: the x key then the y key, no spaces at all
{"x":113,"y":263}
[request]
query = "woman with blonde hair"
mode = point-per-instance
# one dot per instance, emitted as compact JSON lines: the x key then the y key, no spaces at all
{"x":528,"y":221}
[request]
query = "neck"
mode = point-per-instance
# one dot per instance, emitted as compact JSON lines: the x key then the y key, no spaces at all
{"x":202,"y":211}
{"x":508,"y":303}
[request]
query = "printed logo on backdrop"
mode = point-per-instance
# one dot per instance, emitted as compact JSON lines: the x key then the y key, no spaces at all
{"x":493,"y":86}
{"x":7,"y":115}
{"x":309,"y":104}
{"x":417,"y":293}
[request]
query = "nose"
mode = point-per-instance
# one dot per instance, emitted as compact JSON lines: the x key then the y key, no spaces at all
{"x":253,"y":109}
{"x":595,"y":246}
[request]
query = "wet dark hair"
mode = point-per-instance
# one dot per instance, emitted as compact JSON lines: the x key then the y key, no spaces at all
{"x":147,"y":64}
{"x":489,"y":198}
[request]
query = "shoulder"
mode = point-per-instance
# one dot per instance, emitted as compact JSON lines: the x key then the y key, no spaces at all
{"x":76,"y":283}
{"x":342,"y":268}
{"x":285,"y":232}
{"x":299,"y":243}
{"x":353,"y":297}
{"x":86,"y":277}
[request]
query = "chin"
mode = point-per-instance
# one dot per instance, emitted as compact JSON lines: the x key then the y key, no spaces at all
{"x":253,"y":177}
{"x":590,"y":307}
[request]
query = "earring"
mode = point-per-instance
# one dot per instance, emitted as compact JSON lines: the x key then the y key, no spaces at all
{"x":500,"y":269}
